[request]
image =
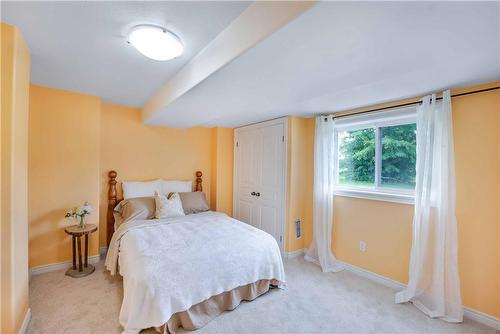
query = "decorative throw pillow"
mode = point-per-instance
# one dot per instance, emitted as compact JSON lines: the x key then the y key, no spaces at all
{"x":193,"y":202}
{"x":138,"y":208}
{"x":168,"y":207}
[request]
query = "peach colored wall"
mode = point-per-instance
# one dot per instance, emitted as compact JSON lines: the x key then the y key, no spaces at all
{"x":141,"y":152}
{"x":300,"y":180}
{"x":15,"y":69}
{"x":387,"y":227}
{"x":213,"y":166}
{"x":75,"y":140}
{"x":476,"y":123}
{"x":222,"y":164}
{"x":64,"y":131}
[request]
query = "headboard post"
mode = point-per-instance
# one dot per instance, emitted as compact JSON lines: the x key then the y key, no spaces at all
{"x":198,"y":186}
{"x":112,"y":201}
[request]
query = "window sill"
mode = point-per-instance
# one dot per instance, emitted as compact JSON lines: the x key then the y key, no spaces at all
{"x":376,"y":195}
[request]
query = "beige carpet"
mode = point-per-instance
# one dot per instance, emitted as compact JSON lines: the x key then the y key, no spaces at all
{"x":313,"y":302}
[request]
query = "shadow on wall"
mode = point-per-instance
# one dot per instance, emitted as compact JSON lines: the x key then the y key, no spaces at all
{"x":42,"y":236}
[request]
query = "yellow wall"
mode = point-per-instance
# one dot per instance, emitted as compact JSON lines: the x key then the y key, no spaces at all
{"x":222,"y":164}
{"x":75,"y":140}
{"x":15,"y":67}
{"x":387,"y":227}
{"x":141,"y":152}
{"x":300,"y":180}
{"x":476,"y":122}
{"x":63,"y":169}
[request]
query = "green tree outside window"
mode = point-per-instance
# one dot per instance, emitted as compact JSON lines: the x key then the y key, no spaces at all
{"x":357,"y":157}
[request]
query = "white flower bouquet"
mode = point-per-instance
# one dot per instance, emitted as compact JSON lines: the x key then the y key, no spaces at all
{"x":79,"y":213}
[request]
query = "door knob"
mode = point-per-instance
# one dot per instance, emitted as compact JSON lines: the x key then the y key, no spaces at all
{"x":252,"y":193}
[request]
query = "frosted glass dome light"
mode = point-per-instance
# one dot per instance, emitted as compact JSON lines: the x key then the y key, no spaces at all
{"x":155,"y":42}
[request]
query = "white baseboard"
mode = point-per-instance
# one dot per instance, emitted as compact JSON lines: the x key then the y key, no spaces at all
{"x":59,"y":266}
{"x":390,"y":283}
{"x":26,"y":322}
{"x":469,"y":313}
{"x":482,"y":318}
{"x":294,"y":254}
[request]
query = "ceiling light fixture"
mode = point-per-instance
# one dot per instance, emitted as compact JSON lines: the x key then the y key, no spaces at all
{"x":155,"y":42}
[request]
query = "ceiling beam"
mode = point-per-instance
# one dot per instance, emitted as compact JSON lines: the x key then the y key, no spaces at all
{"x":257,"y":22}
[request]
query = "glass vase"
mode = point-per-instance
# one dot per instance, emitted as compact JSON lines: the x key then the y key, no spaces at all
{"x":81,"y":224}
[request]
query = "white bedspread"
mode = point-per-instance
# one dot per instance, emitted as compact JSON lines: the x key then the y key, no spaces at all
{"x":168,"y":265}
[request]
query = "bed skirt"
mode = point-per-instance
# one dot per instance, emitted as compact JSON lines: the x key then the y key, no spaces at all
{"x":200,"y":314}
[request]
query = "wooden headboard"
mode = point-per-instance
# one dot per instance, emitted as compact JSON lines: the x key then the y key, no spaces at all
{"x":113,"y":200}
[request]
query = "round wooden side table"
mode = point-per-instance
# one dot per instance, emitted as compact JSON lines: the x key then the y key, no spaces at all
{"x":76,"y":233}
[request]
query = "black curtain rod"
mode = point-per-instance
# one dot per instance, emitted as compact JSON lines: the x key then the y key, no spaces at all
{"x":414,"y":103}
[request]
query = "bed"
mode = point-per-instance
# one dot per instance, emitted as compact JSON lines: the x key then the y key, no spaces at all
{"x":184,"y":271}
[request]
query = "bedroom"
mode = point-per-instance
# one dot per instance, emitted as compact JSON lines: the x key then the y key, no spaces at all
{"x":302,"y":219}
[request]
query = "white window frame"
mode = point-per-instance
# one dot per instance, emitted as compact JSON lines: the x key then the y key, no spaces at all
{"x":376,"y":121}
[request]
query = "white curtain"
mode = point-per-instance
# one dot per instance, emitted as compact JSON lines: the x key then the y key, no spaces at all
{"x":434,"y":285}
{"x":324,"y":179}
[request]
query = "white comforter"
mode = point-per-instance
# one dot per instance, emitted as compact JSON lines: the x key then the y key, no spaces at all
{"x":168,"y":265}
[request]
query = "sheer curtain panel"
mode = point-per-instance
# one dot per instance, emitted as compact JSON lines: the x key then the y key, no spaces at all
{"x":434,"y":285}
{"x":324,"y":182}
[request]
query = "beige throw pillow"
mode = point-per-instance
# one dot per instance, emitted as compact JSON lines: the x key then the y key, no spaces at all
{"x":138,"y":208}
{"x":168,"y":207}
{"x":193,"y":202}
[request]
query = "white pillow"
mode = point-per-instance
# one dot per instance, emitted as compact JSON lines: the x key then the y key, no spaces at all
{"x":168,"y":187}
{"x":150,"y":188}
{"x":168,"y":207}
{"x":141,"y":189}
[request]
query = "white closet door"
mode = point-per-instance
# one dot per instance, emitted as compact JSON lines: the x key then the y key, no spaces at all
{"x":249,"y":153}
{"x":260,"y":176}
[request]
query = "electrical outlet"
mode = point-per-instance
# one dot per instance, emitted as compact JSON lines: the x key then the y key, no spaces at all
{"x":298,"y":228}
{"x":362,"y":246}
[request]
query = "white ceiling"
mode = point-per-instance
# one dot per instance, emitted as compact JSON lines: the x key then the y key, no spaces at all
{"x":81,"y":46}
{"x":338,"y":56}
{"x":335,"y":56}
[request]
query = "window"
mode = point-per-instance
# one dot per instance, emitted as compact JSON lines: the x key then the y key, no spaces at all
{"x":356,"y":157}
{"x":376,"y":156}
{"x":398,"y":156}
